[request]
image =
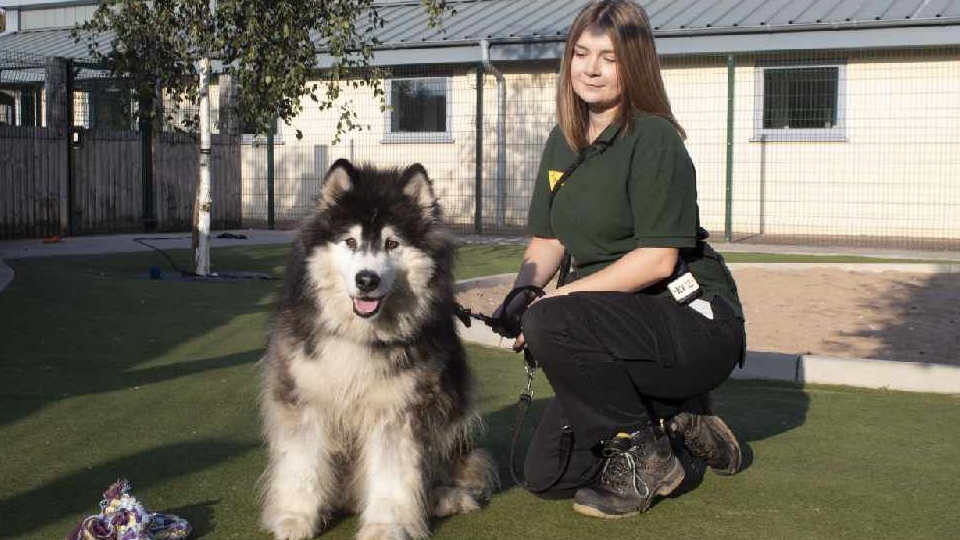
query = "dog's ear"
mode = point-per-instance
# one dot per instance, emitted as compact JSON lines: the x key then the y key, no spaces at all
{"x":417,"y":186}
{"x":339,"y":180}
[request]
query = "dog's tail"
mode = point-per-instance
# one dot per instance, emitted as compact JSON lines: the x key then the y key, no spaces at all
{"x":474,"y":481}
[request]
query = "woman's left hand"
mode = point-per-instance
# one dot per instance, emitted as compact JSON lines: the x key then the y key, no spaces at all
{"x":520,"y":342}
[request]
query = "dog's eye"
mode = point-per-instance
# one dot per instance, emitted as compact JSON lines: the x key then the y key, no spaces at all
{"x":351,"y":243}
{"x":391,"y":244}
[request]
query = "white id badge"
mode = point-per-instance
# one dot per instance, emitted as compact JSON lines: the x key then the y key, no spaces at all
{"x":685,"y":288}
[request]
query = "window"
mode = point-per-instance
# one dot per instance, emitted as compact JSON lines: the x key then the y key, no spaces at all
{"x":800,"y":103}
{"x":8,"y":108}
{"x":418,"y":110}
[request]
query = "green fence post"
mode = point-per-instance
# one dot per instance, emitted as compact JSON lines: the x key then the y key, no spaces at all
{"x":731,"y":75}
{"x":478,"y":180}
{"x":270,"y":215}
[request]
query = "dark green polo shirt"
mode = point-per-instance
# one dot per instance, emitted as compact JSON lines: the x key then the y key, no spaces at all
{"x":634,"y":189}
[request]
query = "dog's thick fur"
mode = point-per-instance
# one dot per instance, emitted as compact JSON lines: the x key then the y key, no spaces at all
{"x":366,"y":397}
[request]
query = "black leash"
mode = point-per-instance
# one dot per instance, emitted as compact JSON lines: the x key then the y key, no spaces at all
{"x":508,"y":325}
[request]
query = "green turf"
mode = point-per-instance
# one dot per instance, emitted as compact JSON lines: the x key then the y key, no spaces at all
{"x":104,"y":373}
{"x":487,"y":260}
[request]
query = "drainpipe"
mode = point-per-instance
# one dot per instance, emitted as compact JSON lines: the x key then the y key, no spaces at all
{"x":501,"y":132}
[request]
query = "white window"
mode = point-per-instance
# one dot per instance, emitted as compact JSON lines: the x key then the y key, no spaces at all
{"x":800,"y":103}
{"x":418,"y":110}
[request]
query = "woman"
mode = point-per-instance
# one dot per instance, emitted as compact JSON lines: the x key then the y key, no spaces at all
{"x":629,"y":362}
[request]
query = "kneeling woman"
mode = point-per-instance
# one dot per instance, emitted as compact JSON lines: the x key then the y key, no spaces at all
{"x":629,"y":360}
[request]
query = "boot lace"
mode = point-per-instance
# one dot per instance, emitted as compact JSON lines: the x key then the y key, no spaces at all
{"x":620,"y":471}
{"x":700,"y":442}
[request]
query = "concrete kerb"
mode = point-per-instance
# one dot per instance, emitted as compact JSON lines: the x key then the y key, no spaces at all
{"x":860,"y":372}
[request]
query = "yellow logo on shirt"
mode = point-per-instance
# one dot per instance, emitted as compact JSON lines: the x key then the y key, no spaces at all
{"x":554,"y":177}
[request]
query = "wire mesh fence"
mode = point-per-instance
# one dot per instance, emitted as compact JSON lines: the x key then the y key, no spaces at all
{"x":846,"y":148}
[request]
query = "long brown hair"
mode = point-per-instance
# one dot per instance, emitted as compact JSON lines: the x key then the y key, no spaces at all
{"x":641,"y":83}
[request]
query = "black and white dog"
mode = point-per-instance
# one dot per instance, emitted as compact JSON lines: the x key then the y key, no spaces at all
{"x":366,"y":395}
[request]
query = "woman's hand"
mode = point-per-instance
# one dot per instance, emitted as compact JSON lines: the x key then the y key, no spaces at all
{"x":519,"y":343}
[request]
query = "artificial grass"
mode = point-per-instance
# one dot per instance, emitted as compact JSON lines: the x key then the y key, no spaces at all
{"x":105,"y":373}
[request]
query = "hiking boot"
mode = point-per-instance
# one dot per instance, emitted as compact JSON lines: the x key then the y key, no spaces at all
{"x":638,"y":467}
{"x":709,"y":438}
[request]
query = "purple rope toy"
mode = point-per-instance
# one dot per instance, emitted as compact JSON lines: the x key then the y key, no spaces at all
{"x":123,"y":517}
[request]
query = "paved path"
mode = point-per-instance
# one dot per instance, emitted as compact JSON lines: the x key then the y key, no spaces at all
{"x":124,"y":243}
{"x":910,"y":376}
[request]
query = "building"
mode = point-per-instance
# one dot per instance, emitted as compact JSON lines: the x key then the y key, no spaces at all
{"x":815,"y":120}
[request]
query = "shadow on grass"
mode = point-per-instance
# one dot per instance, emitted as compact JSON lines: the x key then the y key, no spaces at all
{"x":754,"y":410}
{"x":74,"y":326}
{"x":32,"y":393}
{"x":199,"y":515}
{"x":73,"y":493}
{"x":88,"y":326}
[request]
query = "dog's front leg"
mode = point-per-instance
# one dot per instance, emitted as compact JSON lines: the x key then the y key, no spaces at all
{"x":394,"y":484}
{"x":300,"y":480}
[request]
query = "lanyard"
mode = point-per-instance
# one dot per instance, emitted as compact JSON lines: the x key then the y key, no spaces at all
{"x":599,"y":147}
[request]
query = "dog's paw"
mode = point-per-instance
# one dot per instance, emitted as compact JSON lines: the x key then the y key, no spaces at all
{"x":392,"y":531}
{"x":293,"y":527}
{"x":448,"y":501}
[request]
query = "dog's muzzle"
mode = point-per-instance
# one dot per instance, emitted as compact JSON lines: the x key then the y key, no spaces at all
{"x":367,"y":282}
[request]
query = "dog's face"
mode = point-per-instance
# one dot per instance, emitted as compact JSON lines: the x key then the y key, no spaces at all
{"x":369,"y":262}
{"x":372,"y":250}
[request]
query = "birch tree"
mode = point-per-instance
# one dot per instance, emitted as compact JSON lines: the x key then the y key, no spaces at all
{"x":165,"y":51}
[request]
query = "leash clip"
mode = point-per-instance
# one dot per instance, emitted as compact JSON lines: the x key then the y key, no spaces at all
{"x":528,"y":388}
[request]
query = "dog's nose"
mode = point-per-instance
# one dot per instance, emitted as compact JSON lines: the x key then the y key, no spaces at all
{"x":367,"y":281}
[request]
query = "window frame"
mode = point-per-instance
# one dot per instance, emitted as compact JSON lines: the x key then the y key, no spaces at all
{"x":838,"y":133}
{"x":389,"y":136}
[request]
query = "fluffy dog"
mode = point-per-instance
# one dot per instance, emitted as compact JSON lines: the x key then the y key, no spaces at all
{"x":366,"y":396}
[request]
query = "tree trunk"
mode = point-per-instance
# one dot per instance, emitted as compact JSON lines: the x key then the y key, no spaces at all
{"x":201,"y":231}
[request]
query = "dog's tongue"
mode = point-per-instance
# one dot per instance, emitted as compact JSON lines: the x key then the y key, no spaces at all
{"x":365,"y":306}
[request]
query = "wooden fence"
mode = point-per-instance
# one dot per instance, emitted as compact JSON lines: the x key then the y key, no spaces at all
{"x":48,"y":185}
{"x":175,"y":166}
{"x":33,"y":181}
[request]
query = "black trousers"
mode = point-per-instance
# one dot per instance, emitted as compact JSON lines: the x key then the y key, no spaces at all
{"x":609,"y":355}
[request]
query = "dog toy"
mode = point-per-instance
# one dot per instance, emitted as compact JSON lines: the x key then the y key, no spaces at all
{"x":123,"y":517}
